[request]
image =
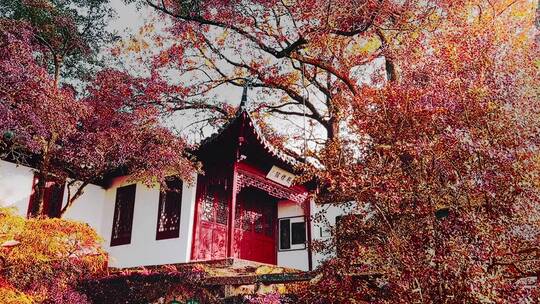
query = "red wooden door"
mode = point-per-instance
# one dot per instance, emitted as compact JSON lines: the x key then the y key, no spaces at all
{"x":255,"y":227}
{"x":211,"y":230}
{"x":255,"y":224}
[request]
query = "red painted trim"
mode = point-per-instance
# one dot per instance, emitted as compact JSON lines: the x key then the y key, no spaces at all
{"x":254,"y":170}
{"x":198,"y":195}
{"x":232,"y":205}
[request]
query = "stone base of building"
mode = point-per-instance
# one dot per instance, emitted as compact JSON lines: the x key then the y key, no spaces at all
{"x":220,"y":281}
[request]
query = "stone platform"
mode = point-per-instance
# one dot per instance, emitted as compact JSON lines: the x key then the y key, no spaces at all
{"x":226,"y":280}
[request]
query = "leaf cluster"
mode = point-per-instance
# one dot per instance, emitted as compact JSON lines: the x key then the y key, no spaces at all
{"x":51,"y":256}
{"x":71,"y":33}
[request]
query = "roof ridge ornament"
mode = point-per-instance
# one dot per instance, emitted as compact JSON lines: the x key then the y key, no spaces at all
{"x":247,"y":85}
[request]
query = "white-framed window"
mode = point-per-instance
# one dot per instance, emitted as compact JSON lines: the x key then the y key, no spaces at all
{"x":292,"y":233}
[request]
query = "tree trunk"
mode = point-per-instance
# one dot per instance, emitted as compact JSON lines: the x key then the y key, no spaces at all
{"x":39,"y":195}
{"x":332,"y":129}
{"x":391,"y":73}
{"x":72,"y":199}
{"x":42,"y":174}
{"x":56,"y":70}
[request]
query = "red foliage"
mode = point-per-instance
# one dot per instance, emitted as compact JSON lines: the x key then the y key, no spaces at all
{"x":115,"y":126}
{"x":446,"y":182}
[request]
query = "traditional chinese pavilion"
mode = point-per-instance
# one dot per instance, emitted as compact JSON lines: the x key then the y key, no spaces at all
{"x":247,"y":205}
{"x":245,"y":179}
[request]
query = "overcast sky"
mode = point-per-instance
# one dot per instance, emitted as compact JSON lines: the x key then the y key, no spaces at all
{"x":127,"y":23}
{"x":128,"y":19}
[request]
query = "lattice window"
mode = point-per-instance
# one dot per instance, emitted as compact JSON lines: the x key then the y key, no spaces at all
{"x":170,"y":203}
{"x":207,"y":208}
{"x":248,"y":217}
{"x":253,"y":216}
{"x":214,"y":205}
{"x":222,"y":209}
{"x":238,"y":216}
{"x":259,"y":220}
{"x":123,"y":215}
{"x":52,"y":198}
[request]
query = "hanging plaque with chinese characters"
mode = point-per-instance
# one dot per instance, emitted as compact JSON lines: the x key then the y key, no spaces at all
{"x":281,"y":176}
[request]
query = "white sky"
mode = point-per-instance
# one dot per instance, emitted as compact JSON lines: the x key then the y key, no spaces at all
{"x":127,"y":23}
{"x":128,"y":19}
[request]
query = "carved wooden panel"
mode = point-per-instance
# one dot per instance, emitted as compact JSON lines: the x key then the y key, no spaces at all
{"x":246,"y":179}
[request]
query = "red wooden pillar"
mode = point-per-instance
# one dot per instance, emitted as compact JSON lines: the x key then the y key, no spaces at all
{"x":232,"y":214}
{"x":234,"y":186}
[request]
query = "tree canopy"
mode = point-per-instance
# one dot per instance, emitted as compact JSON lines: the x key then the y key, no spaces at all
{"x":308,"y":59}
{"x":70,"y":33}
{"x":445,"y":190}
{"x":114,"y":127}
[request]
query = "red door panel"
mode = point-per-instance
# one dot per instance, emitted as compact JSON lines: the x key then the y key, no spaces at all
{"x":219,"y":242}
{"x":255,"y":223}
{"x":204,"y":251}
{"x":210,"y":241}
{"x":256,"y":214}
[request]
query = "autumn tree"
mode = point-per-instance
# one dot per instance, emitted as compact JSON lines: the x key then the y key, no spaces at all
{"x":123,"y":133}
{"x":35,"y":114}
{"x":305,"y":57}
{"x":41,"y":260}
{"x":445,"y":188}
{"x":69,"y":33}
{"x":60,"y":38}
{"x":115,"y":127}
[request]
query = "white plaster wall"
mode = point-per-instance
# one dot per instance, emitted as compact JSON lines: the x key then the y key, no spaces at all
{"x":298,"y":259}
{"x":96,"y":207}
{"x":88,"y":207}
{"x":144,"y":249}
{"x":15,"y":186}
{"x":321,"y":228}
{"x":187,"y":217}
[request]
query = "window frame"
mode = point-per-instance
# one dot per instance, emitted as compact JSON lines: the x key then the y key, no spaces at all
{"x":292,"y":220}
{"x":214,"y":200}
{"x":53,"y":198}
{"x":170,"y":234}
{"x":124,"y":240}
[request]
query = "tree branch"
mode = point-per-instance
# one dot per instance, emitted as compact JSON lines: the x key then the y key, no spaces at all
{"x":198,"y":19}
{"x":71,"y":200}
